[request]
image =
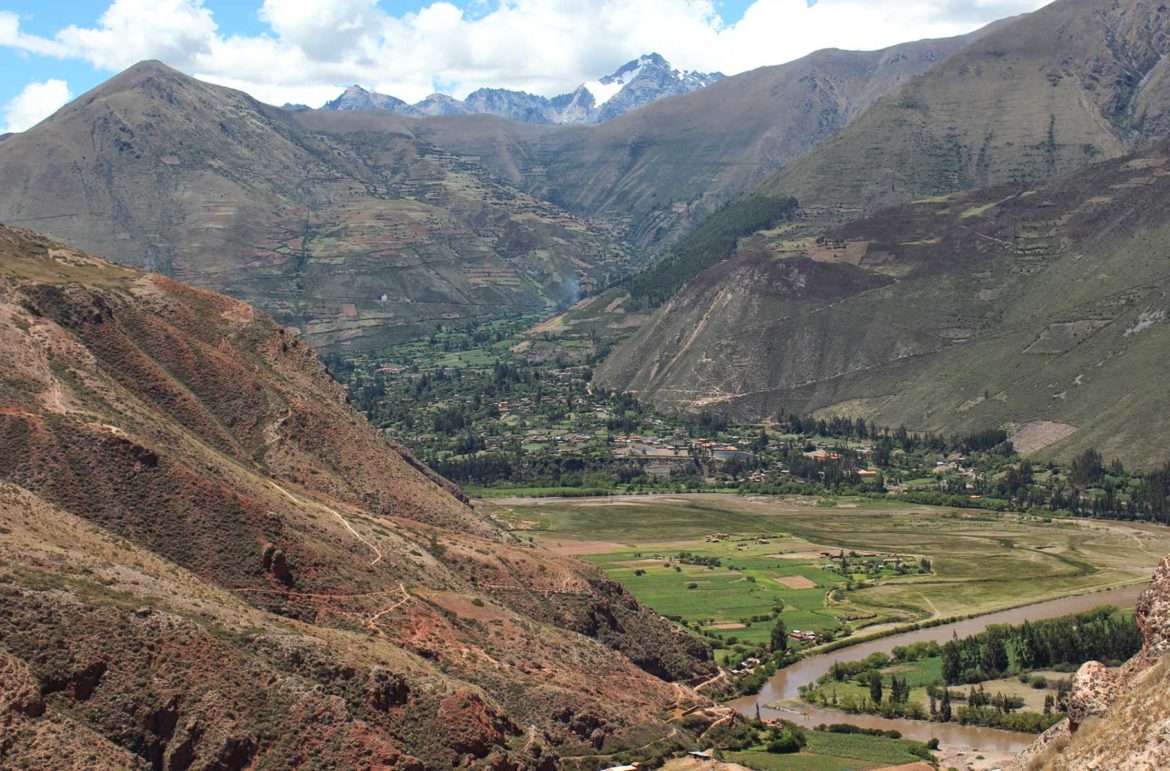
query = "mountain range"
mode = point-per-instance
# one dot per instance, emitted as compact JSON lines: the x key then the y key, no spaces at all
{"x":654,"y":173}
{"x":367,"y":227}
{"x":363,"y":227}
{"x":358,"y":239}
{"x":634,"y":84}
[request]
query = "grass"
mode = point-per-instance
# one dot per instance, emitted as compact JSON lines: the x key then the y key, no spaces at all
{"x":860,"y":746}
{"x":536,"y":492}
{"x":723,"y":595}
{"x":765,"y":761}
{"x":833,"y":752}
{"x":982,"y":561}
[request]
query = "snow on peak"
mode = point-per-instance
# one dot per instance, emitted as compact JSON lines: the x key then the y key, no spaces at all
{"x":610,"y":86}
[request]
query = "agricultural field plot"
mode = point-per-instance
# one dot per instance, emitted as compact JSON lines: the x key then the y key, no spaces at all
{"x":827,"y":751}
{"x":979,"y":561}
{"x":737,"y":595}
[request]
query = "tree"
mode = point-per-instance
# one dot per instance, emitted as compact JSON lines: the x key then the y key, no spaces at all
{"x":994,"y":658}
{"x":899,"y":690}
{"x":1087,"y":469}
{"x":944,"y":710}
{"x":779,"y":637}
{"x":952,"y":666}
{"x":875,"y":687}
{"x":1027,"y":647}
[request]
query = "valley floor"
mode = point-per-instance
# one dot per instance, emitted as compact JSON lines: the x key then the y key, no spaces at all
{"x":728,"y":567}
{"x":722,"y":564}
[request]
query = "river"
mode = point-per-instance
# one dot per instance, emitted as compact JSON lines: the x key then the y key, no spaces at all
{"x":785,"y":684}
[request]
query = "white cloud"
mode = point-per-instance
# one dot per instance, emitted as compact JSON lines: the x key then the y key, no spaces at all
{"x":11,"y":36}
{"x":175,"y":31}
{"x":543,"y":46}
{"x":35,"y":103}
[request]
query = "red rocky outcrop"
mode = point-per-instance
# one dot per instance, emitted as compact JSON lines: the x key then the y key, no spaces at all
{"x":1095,"y":687}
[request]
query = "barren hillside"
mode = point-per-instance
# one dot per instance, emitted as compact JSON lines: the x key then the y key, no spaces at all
{"x":208,"y":560}
{"x":1072,"y":84}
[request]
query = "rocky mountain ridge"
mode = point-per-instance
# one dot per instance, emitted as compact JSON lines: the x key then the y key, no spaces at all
{"x":208,"y":560}
{"x":635,"y":84}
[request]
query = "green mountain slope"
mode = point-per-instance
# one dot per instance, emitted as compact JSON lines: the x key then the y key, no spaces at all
{"x":1025,"y":306}
{"x":1069,"y":85}
{"x":358,"y":240}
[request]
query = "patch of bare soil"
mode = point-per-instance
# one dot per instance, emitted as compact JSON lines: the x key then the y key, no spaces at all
{"x":577,"y":548}
{"x":691,"y":764}
{"x":802,"y":556}
{"x":1035,"y":436}
{"x":796,"y":582}
{"x":967,"y":759}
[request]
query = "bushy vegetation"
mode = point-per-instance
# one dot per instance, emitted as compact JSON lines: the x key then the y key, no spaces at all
{"x":713,"y":241}
{"x":884,"y":684}
{"x":1103,"y":634}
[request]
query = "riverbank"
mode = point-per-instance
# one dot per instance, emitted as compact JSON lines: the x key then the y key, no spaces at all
{"x":779,"y":698}
{"x":874,"y":633}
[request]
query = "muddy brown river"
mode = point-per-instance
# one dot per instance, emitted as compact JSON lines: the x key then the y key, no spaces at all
{"x":785,"y":684}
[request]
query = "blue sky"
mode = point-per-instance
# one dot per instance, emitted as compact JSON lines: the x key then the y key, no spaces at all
{"x":305,"y":50}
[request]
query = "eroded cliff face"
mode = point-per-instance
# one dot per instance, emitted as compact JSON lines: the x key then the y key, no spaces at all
{"x":1118,"y":718}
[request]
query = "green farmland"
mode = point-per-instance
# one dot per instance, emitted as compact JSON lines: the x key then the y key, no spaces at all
{"x":769,"y":551}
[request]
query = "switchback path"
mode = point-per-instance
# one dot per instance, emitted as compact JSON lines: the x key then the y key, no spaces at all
{"x":373,"y":622}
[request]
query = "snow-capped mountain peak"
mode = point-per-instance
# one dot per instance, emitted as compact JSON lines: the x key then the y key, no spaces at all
{"x":636,"y":83}
{"x":606,"y":88}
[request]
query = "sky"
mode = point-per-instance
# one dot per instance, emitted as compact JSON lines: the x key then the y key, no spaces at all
{"x":306,"y":51}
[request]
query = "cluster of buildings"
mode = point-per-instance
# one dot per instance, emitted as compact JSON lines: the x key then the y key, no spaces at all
{"x":746,"y":666}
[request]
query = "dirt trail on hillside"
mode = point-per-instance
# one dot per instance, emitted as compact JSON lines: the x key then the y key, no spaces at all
{"x":373,"y":622}
{"x":334,"y":512}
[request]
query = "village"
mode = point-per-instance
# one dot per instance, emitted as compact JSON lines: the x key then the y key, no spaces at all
{"x":498,"y":412}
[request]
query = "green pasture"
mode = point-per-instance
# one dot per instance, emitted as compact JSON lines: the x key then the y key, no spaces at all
{"x":827,"y":751}
{"x":981,"y":561}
